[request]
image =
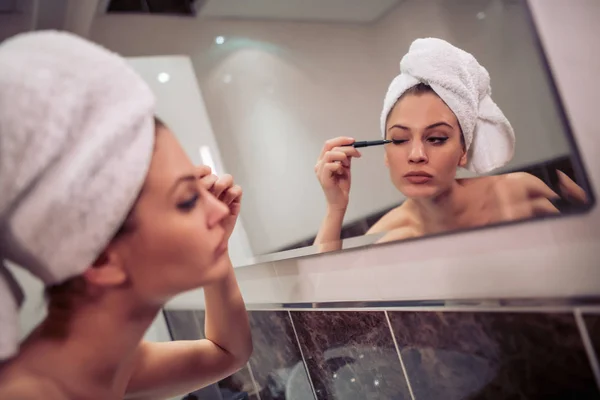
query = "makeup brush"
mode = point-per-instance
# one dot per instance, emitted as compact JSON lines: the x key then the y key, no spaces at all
{"x":368,"y":143}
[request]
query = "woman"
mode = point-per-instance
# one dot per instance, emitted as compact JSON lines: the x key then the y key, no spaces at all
{"x":101,"y":202}
{"x":439,"y":115}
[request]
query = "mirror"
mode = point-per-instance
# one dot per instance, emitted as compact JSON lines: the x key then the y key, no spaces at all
{"x":255,"y":89}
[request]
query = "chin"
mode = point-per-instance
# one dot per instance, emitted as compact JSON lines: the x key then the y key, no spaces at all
{"x":419,"y":192}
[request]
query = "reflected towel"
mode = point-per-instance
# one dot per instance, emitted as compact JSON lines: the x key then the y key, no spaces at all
{"x":464,"y":85}
{"x":76,"y":139}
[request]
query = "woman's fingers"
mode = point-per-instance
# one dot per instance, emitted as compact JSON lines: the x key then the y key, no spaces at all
{"x":537,"y":188}
{"x":336,"y":142}
{"x":232,"y":195}
{"x":222,"y":188}
{"x":202,"y":171}
{"x":221,"y":185}
{"x":208,"y":181}
{"x":570,"y":189}
{"x":543,"y":206}
{"x":333,"y":169}
{"x":339,"y":156}
{"x":335,"y":151}
{"x":349,"y":151}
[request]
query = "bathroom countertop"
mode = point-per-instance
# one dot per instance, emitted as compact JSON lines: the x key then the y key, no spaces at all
{"x":545,"y":259}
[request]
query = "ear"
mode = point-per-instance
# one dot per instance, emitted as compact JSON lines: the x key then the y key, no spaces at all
{"x":107,"y":270}
{"x":462,"y":162}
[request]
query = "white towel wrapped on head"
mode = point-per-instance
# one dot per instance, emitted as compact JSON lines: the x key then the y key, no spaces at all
{"x":76,"y":140}
{"x":464,"y":85}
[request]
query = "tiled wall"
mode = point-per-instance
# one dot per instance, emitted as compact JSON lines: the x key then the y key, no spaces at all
{"x":394,"y":354}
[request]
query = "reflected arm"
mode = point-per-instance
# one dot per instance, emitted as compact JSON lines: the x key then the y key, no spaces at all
{"x":331,"y":229}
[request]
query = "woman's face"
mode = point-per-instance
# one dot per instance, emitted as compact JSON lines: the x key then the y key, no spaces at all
{"x":428,"y":147}
{"x":176,"y":242}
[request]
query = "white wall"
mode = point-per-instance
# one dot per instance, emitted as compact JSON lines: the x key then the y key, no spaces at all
{"x":275,"y":91}
{"x":180,"y":105}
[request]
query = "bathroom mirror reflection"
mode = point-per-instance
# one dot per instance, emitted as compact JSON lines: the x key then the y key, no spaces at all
{"x":262,"y":89}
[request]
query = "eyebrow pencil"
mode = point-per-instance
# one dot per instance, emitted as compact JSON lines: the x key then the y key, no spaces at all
{"x":367,"y":143}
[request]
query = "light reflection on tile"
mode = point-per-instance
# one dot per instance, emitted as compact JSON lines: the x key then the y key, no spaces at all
{"x":461,"y":355}
{"x":350,"y":355}
{"x":276,"y":363}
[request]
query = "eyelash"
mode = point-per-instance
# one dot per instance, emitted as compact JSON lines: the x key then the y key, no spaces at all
{"x":437,"y":140}
{"x":189,"y":204}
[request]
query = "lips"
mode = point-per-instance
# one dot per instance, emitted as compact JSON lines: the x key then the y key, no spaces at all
{"x":418,"y":177}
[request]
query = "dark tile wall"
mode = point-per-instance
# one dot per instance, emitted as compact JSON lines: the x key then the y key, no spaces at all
{"x":276,"y":362}
{"x":463,"y":355}
{"x":446,"y":355}
{"x":350,"y":355}
{"x":592,"y":322}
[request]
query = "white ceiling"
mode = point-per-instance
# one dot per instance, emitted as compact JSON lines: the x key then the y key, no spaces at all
{"x":357,"y":11}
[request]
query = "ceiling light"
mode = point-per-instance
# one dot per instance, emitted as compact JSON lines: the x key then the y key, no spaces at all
{"x":163,"y":77}
{"x":219,"y":40}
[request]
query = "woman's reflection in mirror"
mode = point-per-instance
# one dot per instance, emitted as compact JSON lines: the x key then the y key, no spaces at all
{"x":429,"y":144}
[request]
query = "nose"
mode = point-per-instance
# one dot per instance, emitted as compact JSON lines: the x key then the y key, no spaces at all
{"x":417,"y":155}
{"x":215,"y":209}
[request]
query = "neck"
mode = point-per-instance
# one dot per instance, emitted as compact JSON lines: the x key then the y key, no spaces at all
{"x":449,"y":210}
{"x":93,"y":348}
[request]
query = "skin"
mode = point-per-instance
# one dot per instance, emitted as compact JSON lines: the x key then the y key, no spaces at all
{"x":428,"y":140}
{"x":178,"y":242}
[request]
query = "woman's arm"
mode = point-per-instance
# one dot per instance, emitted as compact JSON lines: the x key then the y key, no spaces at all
{"x":226,"y":320}
{"x":333,"y":172}
{"x":331,"y":229}
{"x":168,"y":369}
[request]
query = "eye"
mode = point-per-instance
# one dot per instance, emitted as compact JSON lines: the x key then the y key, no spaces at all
{"x":399,"y":141}
{"x":437,"y":139}
{"x":189,"y":204}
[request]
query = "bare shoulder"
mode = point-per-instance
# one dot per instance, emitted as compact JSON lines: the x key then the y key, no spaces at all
{"x":525,"y":183}
{"x":403,"y":233}
{"x":523,"y":178}
{"x":399,"y":217}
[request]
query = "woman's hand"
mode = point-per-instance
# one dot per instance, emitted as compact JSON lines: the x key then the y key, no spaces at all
{"x":570,"y":190}
{"x":224,"y":189}
{"x":333,"y":171}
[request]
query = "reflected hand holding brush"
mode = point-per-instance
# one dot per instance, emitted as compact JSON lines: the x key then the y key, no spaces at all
{"x":333,"y":171}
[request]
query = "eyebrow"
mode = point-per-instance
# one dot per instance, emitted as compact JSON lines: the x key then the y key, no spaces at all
{"x":441,"y":123}
{"x":182,"y":179}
